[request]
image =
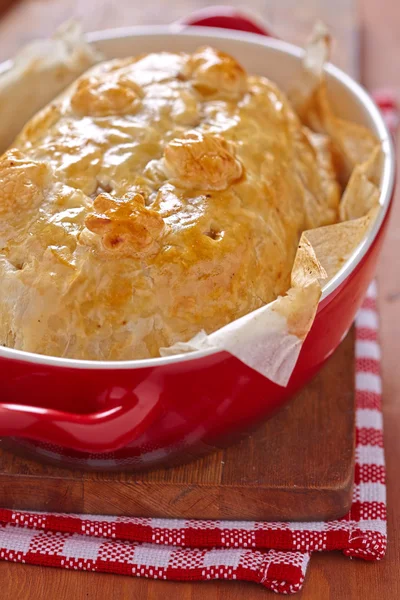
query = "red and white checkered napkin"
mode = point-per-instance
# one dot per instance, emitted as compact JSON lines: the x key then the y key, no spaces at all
{"x":275,"y":555}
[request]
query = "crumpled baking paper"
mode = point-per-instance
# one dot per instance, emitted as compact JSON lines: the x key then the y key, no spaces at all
{"x":40,"y":71}
{"x":269,"y":339}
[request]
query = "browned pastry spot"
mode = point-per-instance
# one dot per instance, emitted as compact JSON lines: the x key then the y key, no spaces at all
{"x":98,"y":97}
{"x":212,"y":71}
{"x":22,"y":181}
{"x":202,"y":161}
{"x":214,"y":233}
{"x":125,"y":225}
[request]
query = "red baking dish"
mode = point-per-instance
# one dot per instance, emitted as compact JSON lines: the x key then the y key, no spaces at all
{"x":136,"y":414}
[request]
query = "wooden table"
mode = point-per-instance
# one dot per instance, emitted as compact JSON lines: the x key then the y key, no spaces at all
{"x":330,"y":576}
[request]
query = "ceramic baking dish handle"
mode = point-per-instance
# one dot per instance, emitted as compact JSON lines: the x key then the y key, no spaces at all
{"x":103,"y":431}
{"x":227,"y":17}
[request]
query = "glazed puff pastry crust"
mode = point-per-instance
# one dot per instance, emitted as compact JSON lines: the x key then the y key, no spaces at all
{"x":158,"y":196}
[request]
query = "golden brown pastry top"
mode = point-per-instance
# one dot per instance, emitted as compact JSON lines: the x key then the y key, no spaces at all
{"x":158,"y":196}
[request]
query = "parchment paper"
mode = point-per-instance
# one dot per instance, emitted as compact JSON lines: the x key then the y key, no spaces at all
{"x":269,"y":339}
{"x":40,"y":71}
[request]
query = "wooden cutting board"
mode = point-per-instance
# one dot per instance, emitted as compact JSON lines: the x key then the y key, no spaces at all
{"x":299,"y":465}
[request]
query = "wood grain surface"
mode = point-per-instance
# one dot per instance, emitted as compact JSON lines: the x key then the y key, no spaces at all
{"x":5,"y":5}
{"x":331,"y":576}
{"x":289,"y":19}
{"x":276,"y":473}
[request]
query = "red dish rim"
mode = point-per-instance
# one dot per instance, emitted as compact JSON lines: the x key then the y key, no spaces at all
{"x":284,"y":47}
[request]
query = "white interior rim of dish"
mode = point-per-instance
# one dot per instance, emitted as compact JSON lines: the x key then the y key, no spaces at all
{"x":212,"y":33}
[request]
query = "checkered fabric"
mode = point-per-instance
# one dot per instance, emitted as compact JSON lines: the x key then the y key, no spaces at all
{"x":274,"y":555}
